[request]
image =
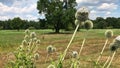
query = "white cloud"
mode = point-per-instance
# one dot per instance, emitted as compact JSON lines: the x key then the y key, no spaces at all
{"x":107,"y":6}
{"x":108,"y":13}
{"x":87,"y":1}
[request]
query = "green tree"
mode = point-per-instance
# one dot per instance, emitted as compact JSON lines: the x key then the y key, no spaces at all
{"x":16,"y":23}
{"x":58,"y":13}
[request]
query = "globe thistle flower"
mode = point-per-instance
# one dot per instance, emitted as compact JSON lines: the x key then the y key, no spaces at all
{"x":88,"y":24}
{"x":35,"y":39}
{"x":54,"y":49}
{"x":109,"y":33}
{"x":32,"y":35}
{"x":21,"y":66}
{"x":78,"y":22}
{"x":27,"y":31}
{"x":74,"y":54}
{"x":38,"y":42}
{"x":51,"y":66}
{"x":24,"y":42}
{"x":113,"y":47}
{"x":26,"y":37}
{"x":50,"y":49}
{"x":82,"y":14}
{"x":36,"y":56}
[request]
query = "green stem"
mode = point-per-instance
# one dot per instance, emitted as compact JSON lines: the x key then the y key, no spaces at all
{"x":106,"y":62}
{"x":111,"y":59}
{"x":69,"y":43}
{"x":102,"y":51}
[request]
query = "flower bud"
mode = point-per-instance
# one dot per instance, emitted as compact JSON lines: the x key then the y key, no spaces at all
{"x":27,"y":31}
{"x":88,"y":24}
{"x":36,"y":56}
{"x":74,"y":54}
{"x":82,"y":14}
{"x":24,"y":42}
{"x":50,"y":49}
{"x":33,"y":35}
{"x":109,"y":33}
{"x":51,"y":66}
{"x":78,"y":22}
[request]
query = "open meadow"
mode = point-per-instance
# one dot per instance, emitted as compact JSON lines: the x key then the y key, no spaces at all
{"x":11,"y":39}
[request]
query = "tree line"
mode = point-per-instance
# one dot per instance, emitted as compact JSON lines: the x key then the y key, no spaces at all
{"x":17,"y":24}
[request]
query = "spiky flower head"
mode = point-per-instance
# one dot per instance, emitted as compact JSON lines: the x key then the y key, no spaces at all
{"x":36,"y":56}
{"x":35,"y":39}
{"x":108,"y":33}
{"x":74,"y":54}
{"x":24,"y":42}
{"x":82,"y":14}
{"x":88,"y":24}
{"x":38,"y":42}
{"x":32,"y":35}
{"x":116,"y":44}
{"x":27,"y":31}
{"x":79,"y":22}
{"x":50,"y":49}
{"x":26,"y":37}
{"x":113,"y":46}
{"x":51,"y":66}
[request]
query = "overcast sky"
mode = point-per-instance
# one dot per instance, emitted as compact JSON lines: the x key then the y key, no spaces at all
{"x":26,"y":9}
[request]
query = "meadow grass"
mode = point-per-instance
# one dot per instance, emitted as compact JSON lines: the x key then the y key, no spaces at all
{"x":10,"y":39}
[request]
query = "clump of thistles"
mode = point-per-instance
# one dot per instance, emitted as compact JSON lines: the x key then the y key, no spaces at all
{"x":88,"y":24}
{"x":50,"y":49}
{"x":109,"y":33}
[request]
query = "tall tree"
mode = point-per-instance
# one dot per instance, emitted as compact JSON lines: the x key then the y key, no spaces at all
{"x":58,"y":13}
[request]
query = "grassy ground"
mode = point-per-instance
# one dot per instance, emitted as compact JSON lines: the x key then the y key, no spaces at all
{"x":10,"y":39}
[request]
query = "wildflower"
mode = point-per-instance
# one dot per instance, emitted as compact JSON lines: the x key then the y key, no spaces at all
{"x":27,"y":31}
{"x":24,"y":42}
{"x":38,"y":42}
{"x":26,"y":37}
{"x":35,"y":39}
{"x":109,"y":33}
{"x":82,"y":14}
{"x":88,"y":24}
{"x":50,"y":49}
{"x":51,"y":66}
{"x":74,"y":54}
{"x":33,"y":35}
{"x":36,"y":56}
{"x":79,"y":22}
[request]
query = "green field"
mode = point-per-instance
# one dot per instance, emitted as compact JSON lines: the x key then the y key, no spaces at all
{"x":11,"y":39}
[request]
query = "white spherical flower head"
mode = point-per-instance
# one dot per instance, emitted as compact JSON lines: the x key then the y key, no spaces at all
{"x":24,"y":42}
{"x":50,"y":49}
{"x":26,"y":37}
{"x":38,"y":42}
{"x":109,"y":33}
{"x":88,"y":24}
{"x":35,"y":39}
{"x":79,"y":22}
{"x":36,"y":56}
{"x":27,"y":31}
{"x":74,"y":54}
{"x":82,"y":14}
{"x":33,"y":35}
{"x":51,"y":66}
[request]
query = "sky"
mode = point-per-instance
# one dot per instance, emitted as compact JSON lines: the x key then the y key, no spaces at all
{"x":26,"y":9}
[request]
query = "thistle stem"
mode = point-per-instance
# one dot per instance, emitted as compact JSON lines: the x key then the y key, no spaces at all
{"x":46,"y":58}
{"x":102,"y":51}
{"x":82,"y":46}
{"x":106,"y":62}
{"x":111,"y":59}
{"x":69,"y":43}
